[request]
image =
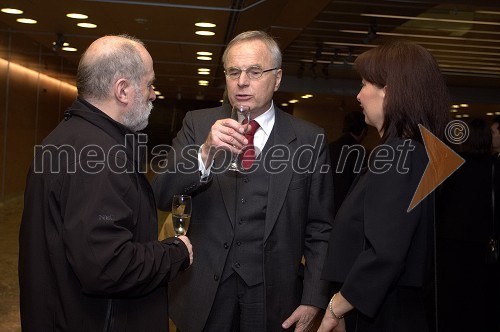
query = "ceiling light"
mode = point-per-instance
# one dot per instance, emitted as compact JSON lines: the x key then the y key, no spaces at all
{"x":497,"y":113}
{"x":77,"y":16}
{"x":69,"y":49}
{"x":157,"y":93}
{"x":26,"y":21}
{"x":204,"y":69}
{"x":12,"y":11}
{"x":284,"y":104}
{"x":204,"y":58}
{"x":161,"y":97}
{"x":204,"y":33}
{"x":205,"y":25}
{"x":293,"y":101}
{"x":204,"y":53}
{"x":306,"y":96}
{"x":465,"y":115}
{"x":458,"y":116}
{"x":87,"y":25}
{"x":455,"y":106}
{"x":490,"y":114}
{"x":453,"y":111}
{"x":464,"y":105}
{"x":202,"y":82}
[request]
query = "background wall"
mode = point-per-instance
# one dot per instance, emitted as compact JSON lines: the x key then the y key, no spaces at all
{"x":31,"y":105}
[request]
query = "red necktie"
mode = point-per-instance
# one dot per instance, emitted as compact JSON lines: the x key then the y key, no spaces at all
{"x":248,"y":156}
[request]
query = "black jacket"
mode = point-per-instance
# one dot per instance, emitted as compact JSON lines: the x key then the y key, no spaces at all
{"x":88,"y":257}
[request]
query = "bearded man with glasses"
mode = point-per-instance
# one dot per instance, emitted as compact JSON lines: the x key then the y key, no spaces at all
{"x":261,"y":234}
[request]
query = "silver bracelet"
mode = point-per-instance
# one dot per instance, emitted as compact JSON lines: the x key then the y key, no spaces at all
{"x":331,"y":310}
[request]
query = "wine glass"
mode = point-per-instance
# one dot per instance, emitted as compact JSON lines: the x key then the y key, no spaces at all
{"x":181,"y":213}
{"x":236,"y":112}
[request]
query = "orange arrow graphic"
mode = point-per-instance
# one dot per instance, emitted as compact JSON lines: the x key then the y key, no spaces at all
{"x":443,"y":161}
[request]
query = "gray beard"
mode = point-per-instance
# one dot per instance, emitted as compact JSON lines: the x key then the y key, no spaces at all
{"x":137,"y":119}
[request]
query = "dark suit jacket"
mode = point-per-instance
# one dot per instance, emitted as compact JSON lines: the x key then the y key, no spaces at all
{"x":297,"y":224}
{"x":375,"y":243}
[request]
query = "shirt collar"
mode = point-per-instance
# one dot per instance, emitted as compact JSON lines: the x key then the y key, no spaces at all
{"x":266,"y":119}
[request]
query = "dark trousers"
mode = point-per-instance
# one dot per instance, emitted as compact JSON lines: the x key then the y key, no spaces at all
{"x":237,"y":307}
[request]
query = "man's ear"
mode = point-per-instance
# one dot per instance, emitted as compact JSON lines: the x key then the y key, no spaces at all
{"x":122,"y":90}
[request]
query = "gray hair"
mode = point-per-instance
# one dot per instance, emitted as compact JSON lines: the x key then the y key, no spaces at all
{"x":269,"y":41}
{"x":96,"y":75}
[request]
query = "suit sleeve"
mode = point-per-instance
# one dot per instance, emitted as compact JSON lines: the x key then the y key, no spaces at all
{"x":388,"y":231}
{"x":317,"y":230}
{"x":180,"y":174}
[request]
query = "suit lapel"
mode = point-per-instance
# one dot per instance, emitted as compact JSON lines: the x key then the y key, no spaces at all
{"x":278,"y":183}
{"x":227,"y":179}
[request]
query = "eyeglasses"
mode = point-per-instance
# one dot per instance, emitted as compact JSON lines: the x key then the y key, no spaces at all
{"x":253,"y":72}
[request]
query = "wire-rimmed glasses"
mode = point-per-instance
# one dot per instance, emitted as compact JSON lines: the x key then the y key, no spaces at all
{"x":252,"y":72}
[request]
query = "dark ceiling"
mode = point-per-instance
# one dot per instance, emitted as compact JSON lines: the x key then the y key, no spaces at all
{"x":320,"y":39}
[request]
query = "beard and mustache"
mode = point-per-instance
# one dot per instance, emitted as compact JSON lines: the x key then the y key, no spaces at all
{"x":137,"y":117}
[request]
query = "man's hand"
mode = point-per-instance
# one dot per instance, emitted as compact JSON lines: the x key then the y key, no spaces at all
{"x":302,"y":317}
{"x":187,"y":242}
{"x":225,"y":134}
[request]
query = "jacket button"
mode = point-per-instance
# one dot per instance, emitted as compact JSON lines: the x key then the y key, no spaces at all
{"x":246,"y":180}
{"x":226,"y":246}
{"x":243,"y":200}
{"x":238,"y":243}
{"x":237,"y":265}
{"x":216,"y":277}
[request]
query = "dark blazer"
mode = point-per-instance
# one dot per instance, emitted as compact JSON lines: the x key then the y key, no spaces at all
{"x":375,"y":243}
{"x":297,"y":223}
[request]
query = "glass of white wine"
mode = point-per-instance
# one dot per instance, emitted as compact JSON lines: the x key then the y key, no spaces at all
{"x":237,"y":112}
{"x":181,"y":213}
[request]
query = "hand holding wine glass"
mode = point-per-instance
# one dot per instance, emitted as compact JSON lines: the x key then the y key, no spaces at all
{"x":181,"y":213}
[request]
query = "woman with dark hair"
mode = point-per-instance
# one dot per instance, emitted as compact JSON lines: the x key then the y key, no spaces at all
{"x":380,"y":252}
{"x":464,"y":224}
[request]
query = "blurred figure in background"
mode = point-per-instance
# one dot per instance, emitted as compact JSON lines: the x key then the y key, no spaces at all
{"x":464,"y":220}
{"x":347,"y":156}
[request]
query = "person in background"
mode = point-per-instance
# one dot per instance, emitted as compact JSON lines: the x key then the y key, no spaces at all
{"x":380,"y":252}
{"x":347,"y":156}
{"x":495,"y":132}
{"x":254,"y":227}
{"x":88,"y":255}
{"x":464,"y":224}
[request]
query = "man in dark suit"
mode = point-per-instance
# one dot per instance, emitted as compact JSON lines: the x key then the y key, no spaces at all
{"x":261,"y":234}
{"x":347,"y":155}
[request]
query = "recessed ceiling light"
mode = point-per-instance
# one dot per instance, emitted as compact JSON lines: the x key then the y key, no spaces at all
{"x":307,"y":96}
{"x":77,"y":16}
{"x":204,"y":33}
{"x":204,"y":69}
{"x":497,"y":113}
{"x":202,"y":82}
{"x":284,"y":104}
{"x":64,"y":44}
{"x":157,"y":93}
{"x":69,"y":49}
{"x":205,"y":25}
{"x":203,"y":73}
{"x":204,"y":58}
{"x":293,"y":101}
{"x":490,"y":114}
{"x":12,"y":11}
{"x":87,"y":25}
{"x":458,"y":116}
{"x":465,"y":115}
{"x":161,"y":97}
{"x":464,"y":105}
{"x":26,"y":21}
{"x":204,"y":53}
